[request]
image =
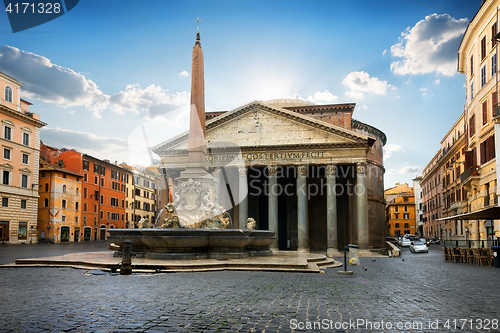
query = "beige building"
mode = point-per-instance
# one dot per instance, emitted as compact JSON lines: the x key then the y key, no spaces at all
{"x":478,"y":61}
{"x":20,"y":149}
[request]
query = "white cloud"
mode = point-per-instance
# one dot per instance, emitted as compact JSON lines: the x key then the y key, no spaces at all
{"x":409,"y":169}
{"x":184,"y":74}
{"x":322,"y":97}
{"x":52,"y":83}
{"x":430,"y":46}
{"x":361,"y":82}
{"x":87,"y":143}
{"x":423,"y":89}
{"x":391,"y":148}
{"x":383,"y":53}
{"x":391,"y":172}
{"x":437,"y":81}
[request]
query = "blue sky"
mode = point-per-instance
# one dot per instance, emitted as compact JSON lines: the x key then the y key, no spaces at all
{"x":109,"y":71}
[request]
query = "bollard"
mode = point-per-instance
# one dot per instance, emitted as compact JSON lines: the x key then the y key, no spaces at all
{"x":126,"y":268}
{"x":345,"y":271}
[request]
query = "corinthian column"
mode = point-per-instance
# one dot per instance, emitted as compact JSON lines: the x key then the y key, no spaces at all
{"x":243,"y":197}
{"x":361,"y":193}
{"x":331,"y":206}
{"x":273,"y":202}
{"x":303,"y":232}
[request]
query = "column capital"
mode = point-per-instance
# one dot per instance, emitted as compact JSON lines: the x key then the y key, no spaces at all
{"x":302,"y":170}
{"x":331,"y":169}
{"x":361,"y":168}
{"x":272,"y":170}
{"x":242,"y":171}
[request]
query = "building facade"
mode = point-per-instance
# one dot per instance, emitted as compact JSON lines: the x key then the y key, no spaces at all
{"x":418,"y":205}
{"x":59,"y":204}
{"x":478,"y":61}
{"x":454,"y":192}
{"x":103,"y":190}
{"x":20,"y":141}
{"x":431,"y":198}
{"x":400,"y":212}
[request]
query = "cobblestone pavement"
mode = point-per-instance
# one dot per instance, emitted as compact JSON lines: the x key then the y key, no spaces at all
{"x":418,"y":289}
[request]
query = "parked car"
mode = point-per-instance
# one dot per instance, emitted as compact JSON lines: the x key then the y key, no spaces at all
{"x":418,"y":246}
{"x":405,"y":242}
{"x":435,"y":240}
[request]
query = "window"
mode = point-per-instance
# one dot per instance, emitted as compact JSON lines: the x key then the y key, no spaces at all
{"x":5,"y":202}
{"x":471,"y":91}
{"x":6,"y":177}
{"x":472,"y":126}
{"x":102,"y":182}
{"x":85,"y":177}
{"x":485,"y":112}
{"x":102,"y":214}
{"x":406,"y":208}
{"x":483,"y":48}
{"x":95,"y":180}
{"x":103,"y":170}
{"x":76,"y":206}
{"x":26,"y":139}
{"x":471,"y":65}
{"x":64,"y":204}
{"x":494,"y":31}
{"x":493,"y":64}
{"x":406,"y":216}
{"x":6,"y":154}
{"x":64,"y":188}
{"x":22,"y":230}
{"x":85,"y":193}
{"x":407,"y":225}
{"x":84,"y":206}
{"x":7,"y":133}
{"x":24,"y":181}
{"x":102,"y":199}
{"x":46,"y":202}
{"x":483,"y":76}
{"x":77,"y":190}
{"x":396,"y":216}
{"x":46,"y":187}
{"x":26,"y":159}
{"x":487,"y":149}
{"x":85,"y":220}
{"x":23,"y":204}
{"x":96,"y":168}
{"x":63,"y":218}
{"x":8,"y":94}
{"x":108,"y":215}
{"x":494,"y":102}
{"x":86,"y":165}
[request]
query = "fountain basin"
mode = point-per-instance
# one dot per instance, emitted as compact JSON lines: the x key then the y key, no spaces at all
{"x":195,"y":243}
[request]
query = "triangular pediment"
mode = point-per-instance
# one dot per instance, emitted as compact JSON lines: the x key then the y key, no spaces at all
{"x":259,"y":125}
{"x":6,"y":166}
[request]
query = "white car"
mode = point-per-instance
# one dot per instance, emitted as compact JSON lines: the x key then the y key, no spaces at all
{"x":418,"y":246}
{"x":405,"y":242}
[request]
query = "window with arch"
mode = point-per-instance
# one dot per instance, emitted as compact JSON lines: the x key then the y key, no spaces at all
{"x":46,"y":187}
{"x":76,"y":206}
{"x":64,"y":188}
{"x":8,"y":94}
{"x":64,"y":204}
{"x":46,"y":202}
{"x":77,"y":191}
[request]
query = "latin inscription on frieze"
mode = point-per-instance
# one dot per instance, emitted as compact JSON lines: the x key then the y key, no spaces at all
{"x":266,"y":156}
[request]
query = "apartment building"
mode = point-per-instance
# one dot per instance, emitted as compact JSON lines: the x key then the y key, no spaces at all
{"x":20,"y":141}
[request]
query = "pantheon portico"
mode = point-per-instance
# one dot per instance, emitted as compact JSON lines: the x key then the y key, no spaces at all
{"x":309,"y":172}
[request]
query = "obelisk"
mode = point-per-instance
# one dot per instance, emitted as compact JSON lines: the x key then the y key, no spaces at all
{"x":197,"y":143}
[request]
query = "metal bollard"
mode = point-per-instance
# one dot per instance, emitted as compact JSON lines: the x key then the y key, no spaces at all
{"x":126,"y":268}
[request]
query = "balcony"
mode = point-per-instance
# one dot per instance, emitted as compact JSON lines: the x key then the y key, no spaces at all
{"x":458,"y":204}
{"x":469,"y":176}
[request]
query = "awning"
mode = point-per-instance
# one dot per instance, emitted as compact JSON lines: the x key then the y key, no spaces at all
{"x":492,"y":213}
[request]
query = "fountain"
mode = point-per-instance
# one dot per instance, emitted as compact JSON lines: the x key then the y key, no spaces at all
{"x":195,"y":225}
